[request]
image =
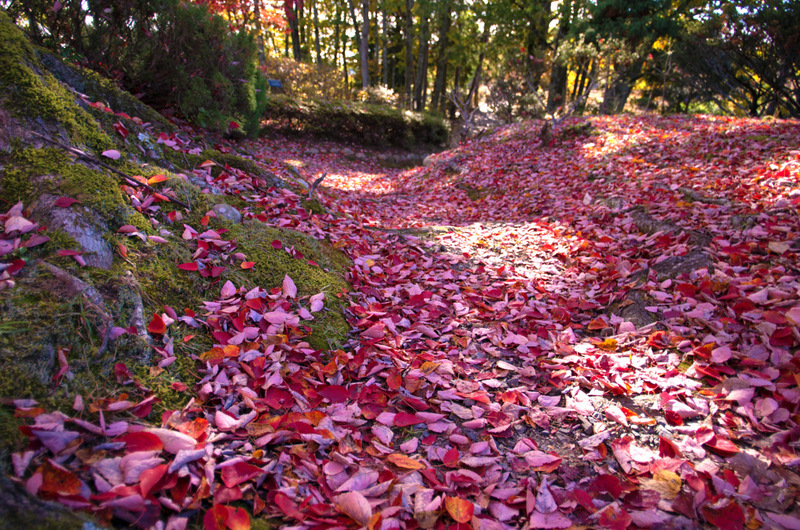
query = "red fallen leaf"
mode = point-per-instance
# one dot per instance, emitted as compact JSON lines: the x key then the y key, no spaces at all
{"x":151,"y":479}
{"x":395,"y":380}
{"x":191,"y":266}
{"x":450,"y":458}
{"x":123,"y":250}
{"x":127,"y":229}
{"x":64,"y":252}
{"x":277,"y":245}
{"x":288,"y":507}
{"x":221,"y":517}
{"x":721,"y":446}
{"x":64,"y":202}
{"x":606,"y":484}
{"x":57,"y":480}
{"x":195,"y":428}
{"x":140,"y":441}
{"x":239,"y":472}
{"x":460,"y":510}
{"x":207,"y":163}
{"x":615,"y":520}
{"x":729,"y":516}
{"x":155,"y":179}
{"x":248,"y":264}
{"x":404,"y":419}
{"x":233,"y":125}
{"x":178,"y":386}
{"x":334,"y":393}
{"x":673,"y":418}
{"x":157,"y":325}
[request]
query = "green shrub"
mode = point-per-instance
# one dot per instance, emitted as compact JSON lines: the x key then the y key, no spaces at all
{"x":171,"y":54}
{"x":355,"y":122}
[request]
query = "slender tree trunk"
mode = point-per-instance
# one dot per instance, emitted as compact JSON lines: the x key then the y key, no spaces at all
{"x":409,"y":35}
{"x":384,"y":46}
{"x":355,"y":23}
{"x":316,"y":33}
{"x":476,"y":78}
{"x":259,"y":30}
{"x":421,"y":85}
{"x":440,"y":83}
{"x":364,"y":49}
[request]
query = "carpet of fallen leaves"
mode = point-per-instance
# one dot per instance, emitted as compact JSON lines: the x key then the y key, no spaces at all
{"x":491,"y":379}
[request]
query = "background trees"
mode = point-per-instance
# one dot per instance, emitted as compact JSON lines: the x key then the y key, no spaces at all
{"x":530,"y":56}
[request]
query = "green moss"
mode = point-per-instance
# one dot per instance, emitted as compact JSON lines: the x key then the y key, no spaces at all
{"x":33,"y":172}
{"x":30,"y":91}
{"x":100,"y":89}
{"x":38,"y":319}
{"x":255,"y":239}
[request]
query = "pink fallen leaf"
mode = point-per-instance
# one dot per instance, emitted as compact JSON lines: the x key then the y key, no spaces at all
{"x":615,"y":413}
{"x":545,"y":503}
{"x":113,"y":154}
{"x":289,"y":288}
{"x":374,"y":332}
{"x":549,"y":520}
{"x":173,"y":441}
{"x":228,"y":290}
{"x":354,"y":505}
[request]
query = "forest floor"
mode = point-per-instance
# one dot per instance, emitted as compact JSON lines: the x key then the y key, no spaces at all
{"x":599,"y":332}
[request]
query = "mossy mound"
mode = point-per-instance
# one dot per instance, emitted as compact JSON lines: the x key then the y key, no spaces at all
{"x":327,"y":274}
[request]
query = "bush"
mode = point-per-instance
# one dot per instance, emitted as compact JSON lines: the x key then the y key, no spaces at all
{"x":355,"y":122}
{"x":305,"y":80}
{"x":171,"y":54}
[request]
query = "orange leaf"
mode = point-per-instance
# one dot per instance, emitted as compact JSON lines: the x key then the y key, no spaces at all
{"x":157,"y":325}
{"x":59,"y":481}
{"x":405,"y":462}
{"x":155,"y":179}
{"x":208,"y":163}
{"x":123,"y":250}
{"x":460,"y":510}
{"x":247,"y":264}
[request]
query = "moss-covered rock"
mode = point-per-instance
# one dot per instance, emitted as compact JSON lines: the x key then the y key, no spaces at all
{"x":28,"y":90}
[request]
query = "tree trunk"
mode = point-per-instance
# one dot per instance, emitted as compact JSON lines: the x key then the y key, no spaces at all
{"x":384,"y":47}
{"x":259,"y":31}
{"x":557,"y":91}
{"x":409,"y":35}
{"x":617,"y":91}
{"x":421,"y":85}
{"x":294,"y":28}
{"x":364,"y":49}
{"x":352,"y":9}
{"x":476,"y":78}
{"x":316,"y":33}
{"x":439,"y":84}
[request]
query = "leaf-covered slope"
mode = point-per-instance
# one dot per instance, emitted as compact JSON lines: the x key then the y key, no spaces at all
{"x":95,"y":246}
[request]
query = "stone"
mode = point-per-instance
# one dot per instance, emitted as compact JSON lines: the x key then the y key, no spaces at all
{"x":81,"y":225}
{"x":427,"y":161}
{"x":227,"y":212}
